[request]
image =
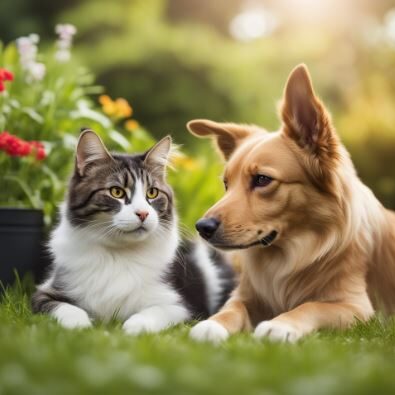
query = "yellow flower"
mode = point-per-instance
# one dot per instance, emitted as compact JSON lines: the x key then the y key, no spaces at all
{"x":123,"y":108}
{"x":104,"y":99}
{"x":182,"y":161}
{"x":131,"y":125}
{"x":108,"y":106}
{"x":118,"y":108}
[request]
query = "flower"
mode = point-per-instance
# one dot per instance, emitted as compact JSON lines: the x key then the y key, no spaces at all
{"x":66,"y":30}
{"x":131,"y":125}
{"x":27,"y":49}
{"x":178,"y":159}
{"x":37,"y":71}
{"x":123,"y":107}
{"x":119,"y":108}
{"x":65,"y":33}
{"x":5,"y":75}
{"x":15,"y":146}
{"x":39,"y":149}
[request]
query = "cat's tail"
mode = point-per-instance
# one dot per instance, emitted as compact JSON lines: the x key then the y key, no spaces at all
{"x":203,"y":277}
{"x":219,"y":276}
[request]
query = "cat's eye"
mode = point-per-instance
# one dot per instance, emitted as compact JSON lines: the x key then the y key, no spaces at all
{"x":152,"y":193}
{"x":260,"y":180}
{"x":117,"y":192}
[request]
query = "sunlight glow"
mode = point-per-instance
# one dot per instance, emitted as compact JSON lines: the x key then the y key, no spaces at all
{"x":252,"y":24}
{"x":389,"y":25}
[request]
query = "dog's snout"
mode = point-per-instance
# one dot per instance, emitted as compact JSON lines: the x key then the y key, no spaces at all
{"x":207,"y":226}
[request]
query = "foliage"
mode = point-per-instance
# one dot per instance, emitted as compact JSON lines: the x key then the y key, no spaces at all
{"x":50,"y":107}
{"x":39,"y":357}
{"x":174,"y":72}
{"x":172,"y":63}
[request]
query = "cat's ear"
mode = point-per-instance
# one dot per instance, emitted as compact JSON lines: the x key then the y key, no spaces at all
{"x":157,"y":157}
{"x":227,"y":135}
{"x":90,"y":148}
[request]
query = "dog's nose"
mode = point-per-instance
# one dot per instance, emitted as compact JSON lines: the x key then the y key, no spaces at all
{"x":207,"y":226}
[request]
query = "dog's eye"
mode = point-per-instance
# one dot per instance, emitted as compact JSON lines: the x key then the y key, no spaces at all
{"x":260,"y":180}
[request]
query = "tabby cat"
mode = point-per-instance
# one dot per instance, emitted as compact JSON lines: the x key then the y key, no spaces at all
{"x":117,"y":253}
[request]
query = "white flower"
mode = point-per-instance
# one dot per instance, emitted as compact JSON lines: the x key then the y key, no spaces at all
{"x":65,"y":30}
{"x":37,"y":71}
{"x":63,"y":55}
{"x":65,"y":33}
{"x":27,"y":48}
{"x":34,"y":38}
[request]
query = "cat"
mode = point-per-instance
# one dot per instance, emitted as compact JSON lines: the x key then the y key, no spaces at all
{"x":117,"y":253}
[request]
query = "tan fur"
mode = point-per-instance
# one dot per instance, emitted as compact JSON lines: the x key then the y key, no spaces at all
{"x":334,"y":257}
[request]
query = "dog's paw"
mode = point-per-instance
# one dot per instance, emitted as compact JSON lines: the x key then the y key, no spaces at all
{"x":72,"y":317}
{"x":277,"y":331}
{"x":209,"y":331}
{"x":138,"y":324}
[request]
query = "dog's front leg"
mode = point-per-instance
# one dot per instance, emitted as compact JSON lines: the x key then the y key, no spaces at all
{"x":232,"y":318}
{"x":308,"y":317}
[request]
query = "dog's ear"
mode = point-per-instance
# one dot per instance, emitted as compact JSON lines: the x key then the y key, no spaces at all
{"x":227,"y":135}
{"x":90,"y":149}
{"x":305,"y":118}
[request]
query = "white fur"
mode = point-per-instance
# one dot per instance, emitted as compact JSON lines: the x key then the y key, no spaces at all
{"x":71,"y":316}
{"x":209,"y":331}
{"x":277,"y":331}
{"x":118,"y":280}
{"x":155,"y":319}
{"x":210,"y":274}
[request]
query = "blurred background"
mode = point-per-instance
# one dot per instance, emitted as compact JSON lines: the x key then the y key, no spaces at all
{"x":228,"y":60}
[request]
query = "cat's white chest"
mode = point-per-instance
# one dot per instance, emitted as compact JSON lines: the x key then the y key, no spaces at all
{"x":110,"y":283}
{"x":118,"y":287}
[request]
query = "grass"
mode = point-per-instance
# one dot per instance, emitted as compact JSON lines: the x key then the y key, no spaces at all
{"x":39,"y":357}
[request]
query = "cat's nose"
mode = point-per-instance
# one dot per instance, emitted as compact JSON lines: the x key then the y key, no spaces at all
{"x":142,"y":215}
{"x":207,"y":226}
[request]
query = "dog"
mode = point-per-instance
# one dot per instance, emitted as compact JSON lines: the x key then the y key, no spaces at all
{"x":317,"y":248}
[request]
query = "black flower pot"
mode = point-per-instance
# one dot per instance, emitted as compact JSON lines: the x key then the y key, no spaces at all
{"x":21,"y":241}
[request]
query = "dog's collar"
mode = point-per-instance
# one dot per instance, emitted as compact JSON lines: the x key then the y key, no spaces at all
{"x":265,"y":241}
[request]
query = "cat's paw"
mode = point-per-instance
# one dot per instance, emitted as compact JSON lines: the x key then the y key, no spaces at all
{"x":209,"y":331}
{"x":72,"y":317}
{"x":137,"y":324}
{"x":277,"y":331}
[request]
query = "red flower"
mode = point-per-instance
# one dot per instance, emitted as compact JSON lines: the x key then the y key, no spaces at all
{"x":5,"y":75}
{"x":15,"y":146}
{"x":39,"y":149}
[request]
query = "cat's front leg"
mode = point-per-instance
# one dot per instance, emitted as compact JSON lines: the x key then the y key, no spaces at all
{"x":70,"y":316}
{"x":156,"y":318}
{"x":50,"y":302}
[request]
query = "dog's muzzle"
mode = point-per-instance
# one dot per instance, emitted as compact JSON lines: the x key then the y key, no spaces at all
{"x":207,"y":227}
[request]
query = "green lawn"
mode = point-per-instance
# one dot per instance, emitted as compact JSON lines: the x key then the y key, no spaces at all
{"x":39,"y":357}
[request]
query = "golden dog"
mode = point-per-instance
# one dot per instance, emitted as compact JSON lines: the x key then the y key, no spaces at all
{"x":317,"y":248}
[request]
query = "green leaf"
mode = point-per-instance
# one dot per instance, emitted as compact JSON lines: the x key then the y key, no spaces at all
{"x":10,"y":55}
{"x":27,"y":191}
{"x":83,"y":111}
{"x":34,"y":115}
{"x":119,"y":139}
